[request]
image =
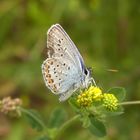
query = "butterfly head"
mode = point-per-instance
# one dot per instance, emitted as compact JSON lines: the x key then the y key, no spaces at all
{"x":88,"y":78}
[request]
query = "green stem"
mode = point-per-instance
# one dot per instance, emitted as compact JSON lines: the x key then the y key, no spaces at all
{"x":66,"y":125}
{"x":130,"y":103}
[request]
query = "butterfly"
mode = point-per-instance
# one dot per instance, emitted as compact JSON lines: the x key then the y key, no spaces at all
{"x":64,"y":71}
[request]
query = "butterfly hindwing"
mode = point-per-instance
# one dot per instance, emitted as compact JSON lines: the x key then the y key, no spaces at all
{"x":58,"y":76}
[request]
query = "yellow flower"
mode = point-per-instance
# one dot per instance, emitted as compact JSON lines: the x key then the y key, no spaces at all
{"x":89,"y":96}
{"x":95,"y":92}
{"x":110,"y":102}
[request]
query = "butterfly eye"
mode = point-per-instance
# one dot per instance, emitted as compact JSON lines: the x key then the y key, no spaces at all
{"x":86,"y":71}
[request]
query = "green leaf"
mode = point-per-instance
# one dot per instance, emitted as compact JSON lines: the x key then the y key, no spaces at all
{"x":73,"y":104}
{"x":119,"y":92}
{"x":58,"y":116}
{"x":119,"y":111}
{"x":86,"y":122}
{"x":97,"y":127}
{"x":34,"y":119}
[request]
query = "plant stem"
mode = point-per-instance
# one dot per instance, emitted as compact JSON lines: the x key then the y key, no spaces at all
{"x":66,"y":125}
{"x":130,"y":103}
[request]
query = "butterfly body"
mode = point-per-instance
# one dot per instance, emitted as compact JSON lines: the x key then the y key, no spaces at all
{"x":63,"y":71}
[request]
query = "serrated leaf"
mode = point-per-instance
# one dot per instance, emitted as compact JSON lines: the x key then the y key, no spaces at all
{"x":119,"y":92}
{"x":73,"y":104}
{"x":97,"y":127}
{"x":34,"y":119}
{"x":57,"y":117}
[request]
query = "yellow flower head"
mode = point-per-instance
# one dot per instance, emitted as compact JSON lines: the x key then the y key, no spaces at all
{"x":110,"y":102}
{"x":90,"y":95}
{"x":95,"y":92}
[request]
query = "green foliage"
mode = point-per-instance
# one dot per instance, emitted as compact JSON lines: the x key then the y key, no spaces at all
{"x":92,"y":117}
{"x":105,"y":32}
{"x":17,"y":132}
{"x":86,"y":121}
{"x":73,"y":104}
{"x":34,"y":119}
{"x":6,"y":22}
{"x":97,"y":127}
{"x":57,"y":118}
{"x":117,"y":112}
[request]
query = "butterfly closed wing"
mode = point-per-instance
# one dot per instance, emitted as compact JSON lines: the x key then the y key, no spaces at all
{"x":63,"y":71}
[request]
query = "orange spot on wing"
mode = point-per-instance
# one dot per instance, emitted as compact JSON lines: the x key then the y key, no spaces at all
{"x":54,"y":88}
{"x":47,"y":66}
{"x":50,"y":62}
{"x":48,"y":76}
{"x":50,"y":81}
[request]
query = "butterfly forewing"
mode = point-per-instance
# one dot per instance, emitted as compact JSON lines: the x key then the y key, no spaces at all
{"x":72,"y":45}
{"x":57,"y":38}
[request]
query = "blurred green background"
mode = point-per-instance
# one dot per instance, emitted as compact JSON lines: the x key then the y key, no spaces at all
{"x":107,"y":34}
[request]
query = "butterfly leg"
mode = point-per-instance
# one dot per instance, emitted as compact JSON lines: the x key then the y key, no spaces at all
{"x":93,"y":82}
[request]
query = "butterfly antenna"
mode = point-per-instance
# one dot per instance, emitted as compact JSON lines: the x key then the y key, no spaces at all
{"x":94,"y":82}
